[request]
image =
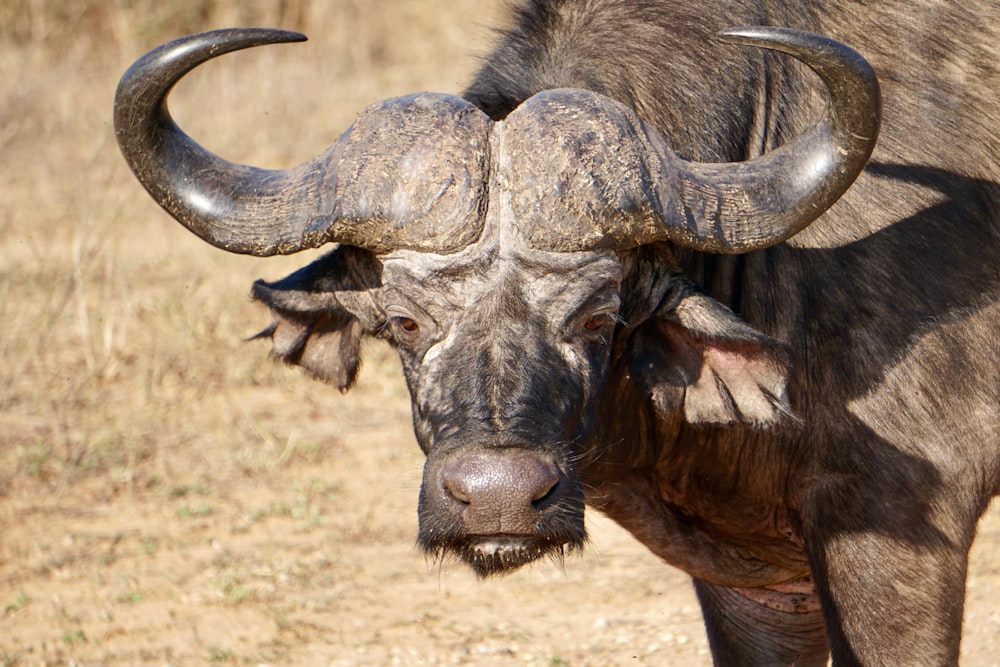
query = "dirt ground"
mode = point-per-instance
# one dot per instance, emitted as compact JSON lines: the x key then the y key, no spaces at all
{"x":307,"y":557}
{"x":170,"y":496}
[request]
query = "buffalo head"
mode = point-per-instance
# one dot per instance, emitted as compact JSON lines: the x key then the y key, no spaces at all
{"x":514,"y":264}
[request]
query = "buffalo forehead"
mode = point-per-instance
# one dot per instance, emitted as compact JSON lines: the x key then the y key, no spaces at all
{"x":446,"y":285}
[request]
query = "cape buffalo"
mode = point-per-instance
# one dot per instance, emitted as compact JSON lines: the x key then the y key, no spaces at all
{"x":624,"y":269}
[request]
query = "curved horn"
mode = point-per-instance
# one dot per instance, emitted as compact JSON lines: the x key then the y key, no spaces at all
{"x":759,"y":203}
{"x":408,"y":174}
{"x":610,"y":180}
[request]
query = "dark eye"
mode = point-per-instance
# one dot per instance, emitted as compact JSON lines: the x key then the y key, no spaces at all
{"x":408,"y":325}
{"x":597,"y":322}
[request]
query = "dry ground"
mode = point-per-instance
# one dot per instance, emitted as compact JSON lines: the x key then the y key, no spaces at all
{"x":169,"y":496}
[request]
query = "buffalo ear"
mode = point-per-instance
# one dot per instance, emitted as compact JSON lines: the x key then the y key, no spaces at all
{"x":695,"y":358}
{"x":326,"y":345}
{"x":320,"y":314}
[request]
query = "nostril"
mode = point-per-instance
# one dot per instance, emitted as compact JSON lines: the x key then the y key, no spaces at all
{"x":540,"y":479}
{"x":458,"y":484}
{"x":455,"y":486}
{"x":546,"y":496}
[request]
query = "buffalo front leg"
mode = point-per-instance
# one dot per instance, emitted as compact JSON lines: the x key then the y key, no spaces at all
{"x":778,"y":625}
{"x":890,"y":571}
{"x":890,"y":602}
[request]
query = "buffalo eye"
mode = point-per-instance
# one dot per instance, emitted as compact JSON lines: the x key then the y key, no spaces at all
{"x":408,"y":325}
{"x":597,"y":322}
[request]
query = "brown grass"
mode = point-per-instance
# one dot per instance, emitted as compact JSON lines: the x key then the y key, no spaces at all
{"x":168,"y":495}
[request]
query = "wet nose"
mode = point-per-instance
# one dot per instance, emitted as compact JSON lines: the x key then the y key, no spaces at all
{"x":501,"y":492}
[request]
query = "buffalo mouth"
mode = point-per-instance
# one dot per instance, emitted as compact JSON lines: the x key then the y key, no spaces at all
{"x":490,"y":555}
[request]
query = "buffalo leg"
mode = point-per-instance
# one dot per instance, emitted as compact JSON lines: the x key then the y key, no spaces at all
{"x":772,"y":626}
{"x":889,"y":602}
{"x":890,"y":565}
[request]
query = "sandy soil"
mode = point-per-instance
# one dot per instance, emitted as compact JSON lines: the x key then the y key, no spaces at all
{"x":312,"y":562}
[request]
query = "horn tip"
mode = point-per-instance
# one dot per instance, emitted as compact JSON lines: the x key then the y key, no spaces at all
{"x":764,"y":35}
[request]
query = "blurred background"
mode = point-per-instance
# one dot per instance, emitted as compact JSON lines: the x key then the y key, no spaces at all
{"x":171,"y":496}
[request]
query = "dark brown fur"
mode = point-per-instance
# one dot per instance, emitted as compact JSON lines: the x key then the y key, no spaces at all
{"x":890,"y":303}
